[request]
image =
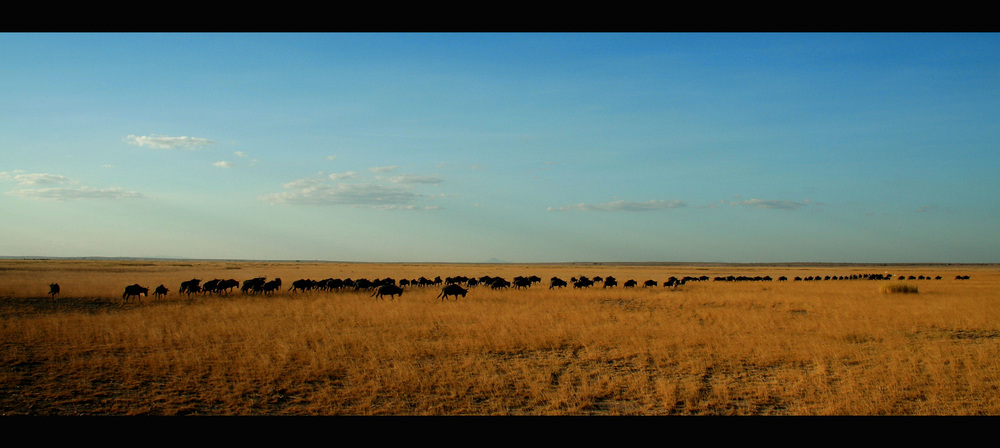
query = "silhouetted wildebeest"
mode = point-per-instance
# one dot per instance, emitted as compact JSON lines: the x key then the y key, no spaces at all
{"x":331,"y":284}
{"x":218,"y":286}
{"x":134,"y":290}
{"x":961,"y":277}
{"x":610,"y":282}
{"x":254,"y":285}
{"x":227,"y":285}
{"x":648,"y":283}
{"x":583,"y":282}
{"x":303,"y":285}
{"x":459,"y":279}
{"x":211,"y":286}
{"x":160,"y":291}
{"x":630,"y":283}
{"x":521,"y":282}
{"x":452,"y":290}
{"x":53,"y":290}
{"x":556,"y":282}
{"x":271,"y":286}
{"x":674,"y":282}
{"x":388,"y":290}
{"x":363,"y":283}
{"x":190,"y":286}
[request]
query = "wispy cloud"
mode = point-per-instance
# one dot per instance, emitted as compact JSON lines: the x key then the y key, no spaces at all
{"x":383,"y":169}
{"x":342,"y":176}
{"x":408,"y":179}
{"x":623,"y":206}
{"x":396,"y":193}
{"x":24,"y":179}
{"x":316,"y":193}
{"x":224,"y":164}
{"x":773,"y":204}
{"x":41,"y":179}
{"x":68,"y":194}
{"x":165,"y":142}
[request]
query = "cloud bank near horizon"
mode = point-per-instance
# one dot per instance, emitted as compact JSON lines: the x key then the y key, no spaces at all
{"x":72,"y":191}
{"x":660,"y":204}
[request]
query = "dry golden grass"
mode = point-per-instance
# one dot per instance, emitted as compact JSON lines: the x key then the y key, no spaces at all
{"x":830,"y":347}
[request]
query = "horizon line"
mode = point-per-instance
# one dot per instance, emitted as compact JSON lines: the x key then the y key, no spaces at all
{"x":494,"y":261}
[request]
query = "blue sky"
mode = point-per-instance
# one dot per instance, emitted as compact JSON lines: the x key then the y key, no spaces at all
{"x":520,"y":147}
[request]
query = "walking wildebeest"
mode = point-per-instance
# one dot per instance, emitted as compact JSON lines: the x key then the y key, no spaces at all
{"x":134,"y":290}
{"x":271,"y":286}
{"x":302,"y":285}
{"x":190,"y":286}
{"x":388,"y":290}
{"x":160,"y":292}
{"x":452,"y":290}
{"x":674,"y":282}
{"x":254,"y":285}
{"x":521,"y":282}
{"x":556,"y":282}
{"x":53,"y":290}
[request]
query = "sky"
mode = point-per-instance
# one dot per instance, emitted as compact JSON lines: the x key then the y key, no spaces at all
{"x":514,"y":147}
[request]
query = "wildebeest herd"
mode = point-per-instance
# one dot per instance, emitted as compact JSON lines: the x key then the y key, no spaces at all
{"x":453,"y":286}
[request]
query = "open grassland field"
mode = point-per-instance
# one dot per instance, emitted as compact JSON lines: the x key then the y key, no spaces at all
{"x":847,"y":345}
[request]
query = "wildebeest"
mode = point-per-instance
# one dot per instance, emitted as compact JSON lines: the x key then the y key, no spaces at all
{"x":160,"y":291}
{"x":452,"y":290}
{"x":556,"y":282}
{"x":521,"y":282}
{"x":271,"y":286}
{"x":388,"y":290}
{"x":190,"y":286}
{"x":53,"y":290}
{"x":630,"y":283}
{"x":254,"y":285}
{"x":649,"y":283}
{"x":302,"y":285}
{"x":227,"y":285}
{"x":610,"y":282}
{"x":211,"y":286}
{"x":674,"y":282}
{"x":134,"y":290}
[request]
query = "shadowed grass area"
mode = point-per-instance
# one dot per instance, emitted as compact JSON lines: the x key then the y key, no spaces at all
{"x":899,"y":288}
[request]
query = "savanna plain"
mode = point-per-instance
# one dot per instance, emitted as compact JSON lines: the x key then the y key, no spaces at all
{"x":838,"y":344}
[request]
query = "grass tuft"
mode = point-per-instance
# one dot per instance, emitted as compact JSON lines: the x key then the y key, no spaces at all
{"x":898,"y":288}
